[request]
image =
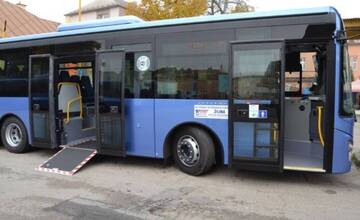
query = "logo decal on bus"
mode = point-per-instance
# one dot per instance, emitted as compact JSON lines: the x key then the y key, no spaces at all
{"x":211,"y":111}
{"x":143,"y":63}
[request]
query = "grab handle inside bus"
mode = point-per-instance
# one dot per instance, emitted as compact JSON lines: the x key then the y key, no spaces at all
{"x":69,"y":107}
{"x":320,"y":112}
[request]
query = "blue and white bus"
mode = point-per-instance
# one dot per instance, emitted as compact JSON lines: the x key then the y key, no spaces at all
{"x":267,"y":91}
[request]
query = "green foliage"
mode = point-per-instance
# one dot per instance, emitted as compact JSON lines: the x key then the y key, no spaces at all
{"x":165,"y":9}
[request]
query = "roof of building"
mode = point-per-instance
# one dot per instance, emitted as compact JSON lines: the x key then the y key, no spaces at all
{"x":172,"y":22}
{"x":21,"y":22}
{"x":99,"y":5}
{"x":352,"y":28}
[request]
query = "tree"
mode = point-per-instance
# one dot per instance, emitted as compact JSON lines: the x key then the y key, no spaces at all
{"x":228,"y":6}
{"x":165,"y":9}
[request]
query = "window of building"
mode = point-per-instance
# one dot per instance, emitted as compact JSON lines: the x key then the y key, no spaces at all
{"x":354,"y":63}
{"x":302,"y":73}
{"x":309,"y":71}
{"x":103,"y":15}
{"x":303,"y":63}
{"x":347,"y":98}
{"x":193,"y":65}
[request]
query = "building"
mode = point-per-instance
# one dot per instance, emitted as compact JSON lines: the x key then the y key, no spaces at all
{"x":354,"y":56}
{"x":15,"y":21}
{"x":98,"y":9}
{"x":353,"y":32}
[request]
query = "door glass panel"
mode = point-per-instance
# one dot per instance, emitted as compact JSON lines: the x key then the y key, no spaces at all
{"x":256,"y":74}
{"x":40,"y":98}
{"x":110,"y":99}
{"x":256,"y":140}
{"x":256,"y":101}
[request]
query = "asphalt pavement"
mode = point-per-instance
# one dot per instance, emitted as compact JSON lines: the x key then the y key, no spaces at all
{"x":137,"y":188}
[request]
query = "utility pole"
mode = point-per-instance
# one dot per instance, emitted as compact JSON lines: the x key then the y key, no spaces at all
{"x":3,"y":31}
{"x":80,"y":10}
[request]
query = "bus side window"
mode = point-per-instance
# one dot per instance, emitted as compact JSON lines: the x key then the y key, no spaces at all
{"x":14,"y":77}
{"x":2,"y":77}
{"x":138,"y":79}
{"x":311,"y":82}
{"x":2,"y":66}
{"x":193,"y":65}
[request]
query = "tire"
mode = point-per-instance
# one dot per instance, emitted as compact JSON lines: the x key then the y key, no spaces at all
{"x":193,"y":151}
{"x":14,"y":136}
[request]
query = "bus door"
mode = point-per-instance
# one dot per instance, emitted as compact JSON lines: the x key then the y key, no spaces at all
{"x":109,"y":102}
{"x":256,"y":105}
{"x":44,"y":132}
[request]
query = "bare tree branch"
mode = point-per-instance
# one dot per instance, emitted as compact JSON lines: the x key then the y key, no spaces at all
{"x":228,"y":6}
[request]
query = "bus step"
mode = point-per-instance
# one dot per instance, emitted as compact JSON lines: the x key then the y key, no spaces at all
{"x":79,"y":142}
{"x":67,"y":161}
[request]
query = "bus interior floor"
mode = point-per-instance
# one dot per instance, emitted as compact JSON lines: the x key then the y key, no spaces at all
{"x":87,"y":145}
{"x":302,"y":162}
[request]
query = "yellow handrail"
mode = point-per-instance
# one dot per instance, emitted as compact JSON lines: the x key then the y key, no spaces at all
{"x":68,"y":108}
{"x":320,"y":108}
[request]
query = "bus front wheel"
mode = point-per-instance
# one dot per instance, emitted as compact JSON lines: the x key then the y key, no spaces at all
{"x":193,"y":150}
{"x":14,"y":136}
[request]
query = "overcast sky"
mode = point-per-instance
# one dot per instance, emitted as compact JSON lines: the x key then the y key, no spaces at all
{"x":55,"y":9}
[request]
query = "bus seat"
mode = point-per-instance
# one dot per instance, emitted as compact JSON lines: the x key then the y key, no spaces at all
{"x":75,"y":79}
{"x":86,"y":87}
{"x":70,"y":99}
{"x":64,"y":76}
{"x":145,"y":93}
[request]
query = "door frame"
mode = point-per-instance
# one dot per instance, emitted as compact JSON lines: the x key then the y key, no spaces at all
{"x":248,"y":164}
{"x":100,"y":148}
{"x":51,"y":93}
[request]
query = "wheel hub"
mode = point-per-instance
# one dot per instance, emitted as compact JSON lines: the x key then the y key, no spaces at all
{"x":188,"y":151}
{"x":13,"y":135}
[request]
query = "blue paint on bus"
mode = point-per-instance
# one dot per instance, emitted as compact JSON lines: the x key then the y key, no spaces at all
{"x":170,"y":113}
{"x":16,"y":106}
{"x":139,"y":127}
{"x":343,"y":126}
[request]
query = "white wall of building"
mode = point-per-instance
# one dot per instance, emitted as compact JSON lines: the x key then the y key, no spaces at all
{"x":87,"y":16}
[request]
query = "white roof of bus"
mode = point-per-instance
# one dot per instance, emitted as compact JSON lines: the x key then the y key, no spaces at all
{"x":161,"y":23}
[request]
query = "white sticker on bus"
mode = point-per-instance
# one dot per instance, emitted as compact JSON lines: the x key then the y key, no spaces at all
{"x":211,"y":111}
{"x":253,"y":111}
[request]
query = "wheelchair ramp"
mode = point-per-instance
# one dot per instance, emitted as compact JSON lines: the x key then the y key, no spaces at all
{"x":67,"y":161}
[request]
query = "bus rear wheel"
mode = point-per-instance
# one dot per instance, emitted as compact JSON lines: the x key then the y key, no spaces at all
{"x":194,"y":151}
{"x":14,"y":136}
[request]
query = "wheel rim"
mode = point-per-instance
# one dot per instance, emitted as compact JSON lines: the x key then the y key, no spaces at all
{"x":188,"y":151}
{"x":13,"y":135}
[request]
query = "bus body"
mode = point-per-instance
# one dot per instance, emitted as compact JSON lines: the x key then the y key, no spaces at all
{"x":260,"y":91}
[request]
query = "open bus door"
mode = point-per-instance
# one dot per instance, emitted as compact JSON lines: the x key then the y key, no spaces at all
{"x":44,"y":131}
{"x":109,"y":102}
{"x":256,"y":105}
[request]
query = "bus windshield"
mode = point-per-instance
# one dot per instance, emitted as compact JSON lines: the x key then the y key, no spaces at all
{"x":347,"y":101}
